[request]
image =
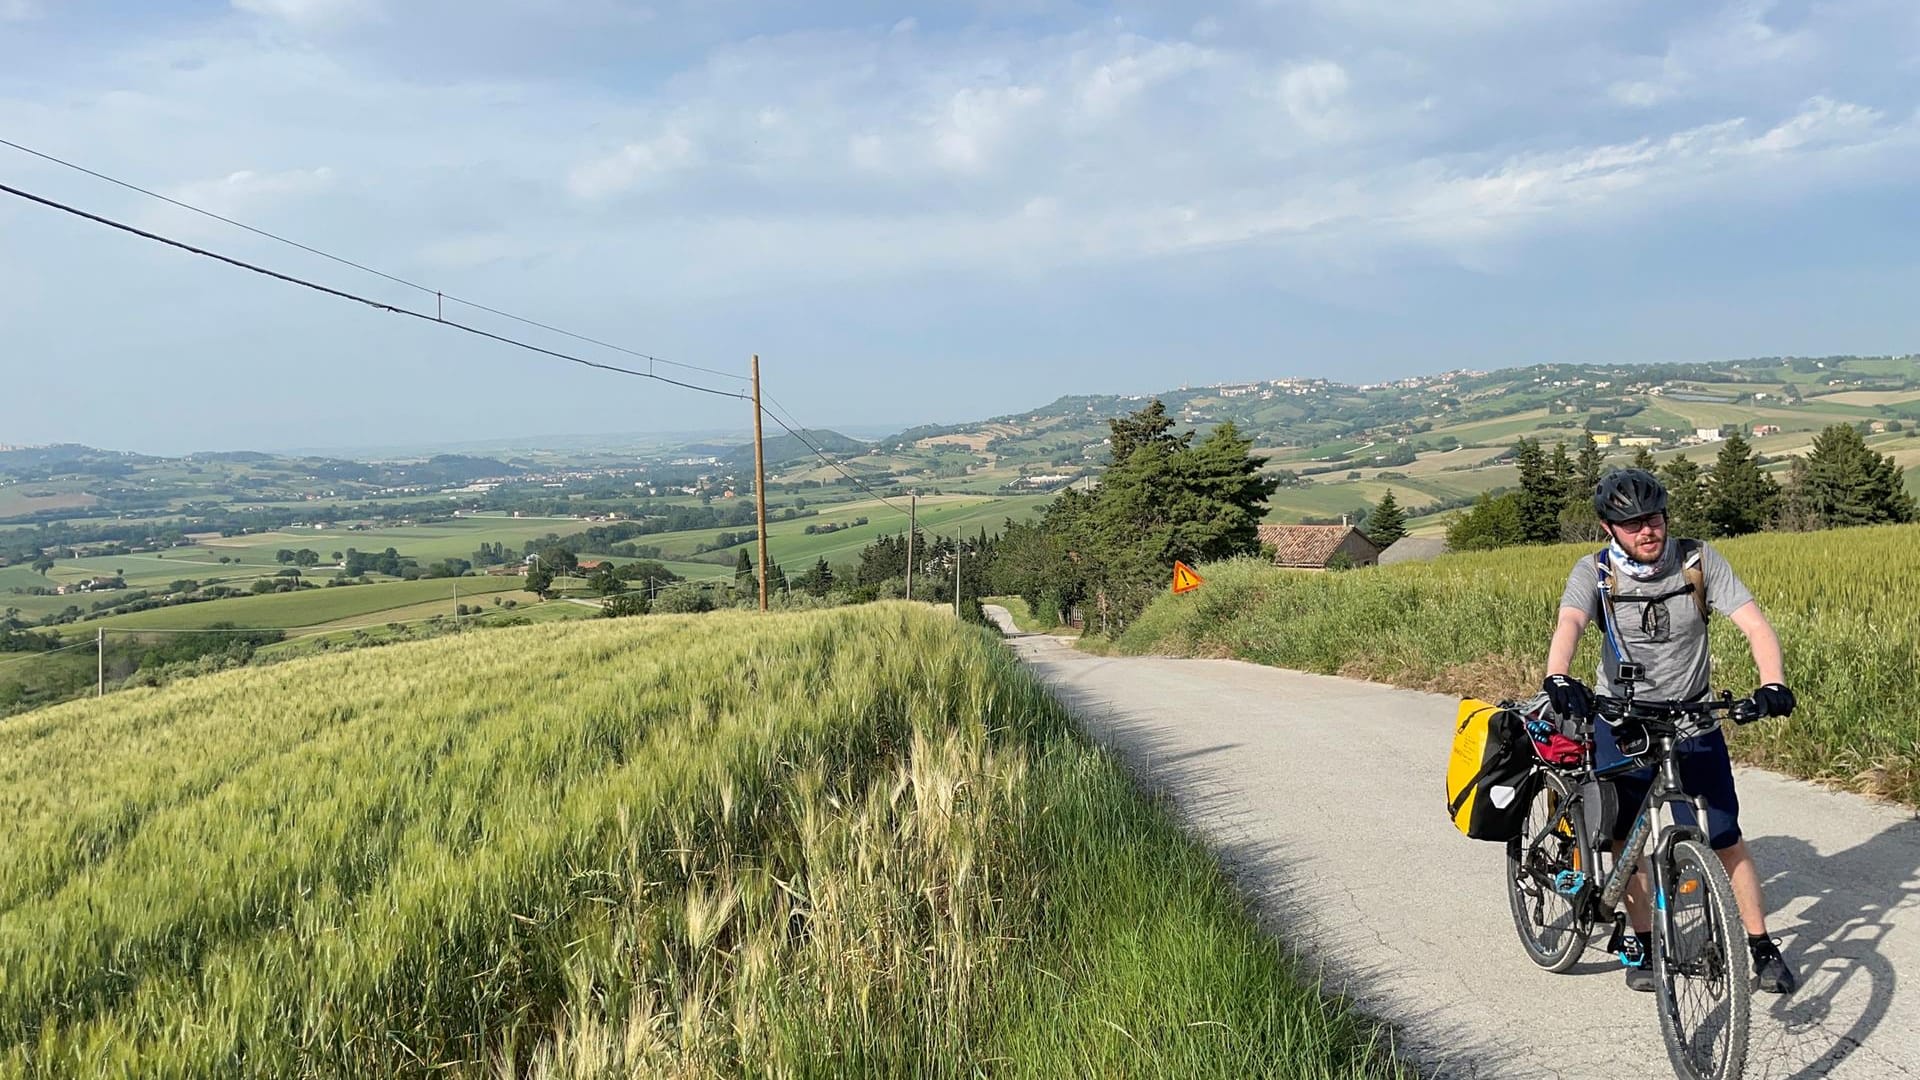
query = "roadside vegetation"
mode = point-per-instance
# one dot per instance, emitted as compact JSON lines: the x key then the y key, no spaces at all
{"x":1478,"y":624}
{"x":726,"y":845}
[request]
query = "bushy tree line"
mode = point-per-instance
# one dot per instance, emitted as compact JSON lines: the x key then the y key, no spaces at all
{"x":1840,"y":482}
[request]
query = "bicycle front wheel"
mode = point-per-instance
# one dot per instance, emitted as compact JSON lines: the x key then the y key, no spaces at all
{"x":1701,"y":968}
{"x":1547,"y":878}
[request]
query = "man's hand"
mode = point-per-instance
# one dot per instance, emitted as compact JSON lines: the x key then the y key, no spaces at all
{"x":1570,"y":696}
{"x":1774,"y":699}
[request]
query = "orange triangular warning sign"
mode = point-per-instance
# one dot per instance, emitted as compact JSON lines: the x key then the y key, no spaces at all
{"x":1184,"y":579}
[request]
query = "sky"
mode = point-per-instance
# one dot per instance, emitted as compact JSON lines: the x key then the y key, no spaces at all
{"x":924,"y":215}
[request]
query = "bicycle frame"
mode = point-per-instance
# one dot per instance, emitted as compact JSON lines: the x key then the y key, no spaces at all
{"x":1665,"y":790}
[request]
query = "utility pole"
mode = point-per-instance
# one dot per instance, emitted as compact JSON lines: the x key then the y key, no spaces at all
{"x":456,"y":603}
{"x":913,"y":519}
{"x":100,"y":647}
{"x":760,"y":480}
{"x":956,"y":575}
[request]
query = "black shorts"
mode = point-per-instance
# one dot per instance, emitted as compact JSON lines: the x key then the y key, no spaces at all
{"x":1705,"y":771}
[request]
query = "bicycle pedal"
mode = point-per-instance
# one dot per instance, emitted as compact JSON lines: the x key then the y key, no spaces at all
{"x":1569,"y":882}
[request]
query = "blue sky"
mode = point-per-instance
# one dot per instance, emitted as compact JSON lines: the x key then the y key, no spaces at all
{"x":929,"y":215}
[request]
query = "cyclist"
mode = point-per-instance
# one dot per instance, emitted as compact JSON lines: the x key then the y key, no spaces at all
{"x":1657,"y":624}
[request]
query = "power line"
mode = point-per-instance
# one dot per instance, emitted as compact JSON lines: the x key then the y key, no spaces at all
{"x":343,"y":261}
{"x":822,"y":455}
{"x":356,"y":298}
{"x":44,"y":652}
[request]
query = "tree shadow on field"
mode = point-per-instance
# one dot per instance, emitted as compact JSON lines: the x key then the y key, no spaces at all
{"x":1845,"y":903}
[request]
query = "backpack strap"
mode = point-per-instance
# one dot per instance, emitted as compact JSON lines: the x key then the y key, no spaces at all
{"x":1690,"y":568}
{"x":1603,"y":582}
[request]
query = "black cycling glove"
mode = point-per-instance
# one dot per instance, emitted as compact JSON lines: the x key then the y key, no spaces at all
{"x":1774,"y":699}
{"x":1570,"y":696}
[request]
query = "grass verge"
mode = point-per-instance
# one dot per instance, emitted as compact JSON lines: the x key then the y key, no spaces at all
{"x":1478,"y":624}
{"x":856,"y":842}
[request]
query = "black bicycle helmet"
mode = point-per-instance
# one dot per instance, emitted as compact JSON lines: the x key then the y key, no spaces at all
{"x":1625,"y":494}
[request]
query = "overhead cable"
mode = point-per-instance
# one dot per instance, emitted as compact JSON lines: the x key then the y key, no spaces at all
{"x":343,"y":261}
{"x":356,"y":298}
{"x":823,"y":456}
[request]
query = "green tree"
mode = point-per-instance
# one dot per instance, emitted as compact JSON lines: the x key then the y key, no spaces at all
{"x":1587,"y":465}
{"x":1686,"y":498}
{"x":1491,"y":523}
{"x":1845,"y":482}
{"x":605,"y":582}
{"x":742,"y":570}
{"x":1643,"y":460}
{"x":1565,"y":476}
{"x":1149,"y":426}
{"x":1386,"y":523}
{"x":559,"y":560}
{"x":539,"y":580}
{"x":1740,"y":498}
{"x":623,"y":605}
{"x":1542,"y":492}
{"x":1164,"y":498}
{"x":44,"y":563}
{"x":283,"y":556}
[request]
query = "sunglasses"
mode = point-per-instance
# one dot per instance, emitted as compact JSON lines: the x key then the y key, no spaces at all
{"x":1642,"y":524}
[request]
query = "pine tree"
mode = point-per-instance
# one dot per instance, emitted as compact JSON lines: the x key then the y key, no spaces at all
{"x":1386,"y":524}
{"x":1586,"y":470}
{"x":1564,"y":476}
{"x":742,"y":569}
{"x":1643,"y":459}
{"x":1146,"y":427}
{"x":1542,"y":493}
{"x":1740,"y":498}
{"x":1846,"y":483}
{"x":1686,"y":498}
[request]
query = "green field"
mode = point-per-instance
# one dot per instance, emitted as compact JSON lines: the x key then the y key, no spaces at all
{"x":1477,"y":624}
{"x":789,"y":545}
{"x":306,"y":608}
{"x":723,"y":845}
{"x":457,"y":538}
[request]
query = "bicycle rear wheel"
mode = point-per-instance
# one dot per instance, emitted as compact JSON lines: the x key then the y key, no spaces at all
{"x":1547,"y":878}
{"x":1702,"y":972}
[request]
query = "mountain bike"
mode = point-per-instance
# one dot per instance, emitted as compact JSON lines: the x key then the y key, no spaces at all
{"x":1563,"y":879}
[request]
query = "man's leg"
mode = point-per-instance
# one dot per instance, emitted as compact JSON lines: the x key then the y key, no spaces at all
{"x":1746,"y":887}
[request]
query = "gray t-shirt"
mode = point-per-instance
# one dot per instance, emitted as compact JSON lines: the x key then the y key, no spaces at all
{"x":1670,"y":643}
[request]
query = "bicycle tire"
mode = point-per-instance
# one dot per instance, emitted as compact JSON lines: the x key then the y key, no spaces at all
{"x":1703,"y":976}
{"x":1553,"y":929}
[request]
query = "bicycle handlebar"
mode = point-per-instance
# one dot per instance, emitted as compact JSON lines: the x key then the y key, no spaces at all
{"x":1677,"y":717}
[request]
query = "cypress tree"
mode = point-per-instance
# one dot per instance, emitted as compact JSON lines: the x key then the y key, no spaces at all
{"x":1686,"y":498}
{"x":1740,"y":498}
{"x":1387,"y":523}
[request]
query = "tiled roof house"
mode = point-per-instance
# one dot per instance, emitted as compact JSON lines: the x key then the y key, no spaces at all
{"x":1312,"y":547}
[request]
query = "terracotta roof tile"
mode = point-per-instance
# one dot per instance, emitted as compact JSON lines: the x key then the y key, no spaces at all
{"x":1307,"y":545}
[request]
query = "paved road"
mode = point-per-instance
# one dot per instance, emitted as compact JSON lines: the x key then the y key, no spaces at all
{"x":1323,"y":795}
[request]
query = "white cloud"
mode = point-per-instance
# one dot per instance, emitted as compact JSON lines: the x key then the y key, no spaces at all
{"x":1314,"y":94}
{"x":634,"y":165}
{"x":975,"y":122}
{"x":315,"y":14}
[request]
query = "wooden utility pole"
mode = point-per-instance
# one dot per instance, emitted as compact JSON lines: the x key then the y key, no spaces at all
{"x":956,"y":575}
{"x":913,"y":526}
{"x":100,"y":644}
{"x":760,"y":479}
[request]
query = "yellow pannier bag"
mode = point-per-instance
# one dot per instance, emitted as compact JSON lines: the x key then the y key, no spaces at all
{"x":1490,"y":772}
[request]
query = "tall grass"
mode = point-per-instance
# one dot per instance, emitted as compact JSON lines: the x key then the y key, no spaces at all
{"x":857,"y":842}
{"x":1843,"y":602}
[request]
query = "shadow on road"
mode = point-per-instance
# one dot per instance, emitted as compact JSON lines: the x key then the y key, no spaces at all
{"x":1844,"y":902}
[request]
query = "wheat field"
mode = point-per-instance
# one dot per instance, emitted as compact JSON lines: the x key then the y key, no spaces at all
{"x":850,"y":843}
